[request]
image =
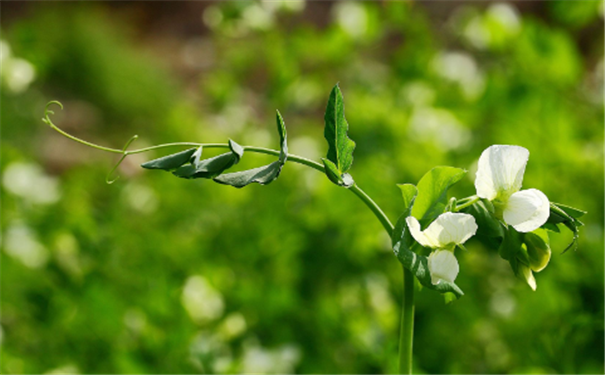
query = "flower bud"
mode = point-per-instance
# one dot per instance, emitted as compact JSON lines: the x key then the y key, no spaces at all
{"x":538,"y":251}
{"x":525,"y":274}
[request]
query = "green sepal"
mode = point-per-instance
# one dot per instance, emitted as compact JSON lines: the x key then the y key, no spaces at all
{"x":403,"y":245}
{"x":170,"y":162}
{"x":211,"y":167}
{"x":432,"y":193}
{"x":511,"y":244}
{"x":334,"y":175}
{"x":490,"y":230}
{"x":262,"y":175}
{"x":340,"y":147}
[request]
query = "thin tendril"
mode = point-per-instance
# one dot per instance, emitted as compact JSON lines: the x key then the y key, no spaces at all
{"x":124,"y":155}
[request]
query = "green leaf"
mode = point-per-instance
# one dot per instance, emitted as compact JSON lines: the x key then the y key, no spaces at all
{"x":211,"y":167}
{"x":432,"y":192}
{"x":340,"y":147}
{"x":576,"y":213}
{"x":408,"y":192}
{"x":170,"y":162}
{"x":340,"y":179}
{"x":283,"y":138}
{"x":262,"y":175}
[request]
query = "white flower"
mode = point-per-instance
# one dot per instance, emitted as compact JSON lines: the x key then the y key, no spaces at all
{"x":443,"y":266}
{"x":499,"y":179}
{"x":447,"y":231}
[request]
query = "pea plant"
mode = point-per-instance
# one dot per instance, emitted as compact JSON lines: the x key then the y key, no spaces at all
{"x":514,"y":222}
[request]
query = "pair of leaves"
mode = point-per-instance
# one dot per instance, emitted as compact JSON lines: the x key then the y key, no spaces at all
{"x":568,"y":216}
{"x":340,"y":147}
{"x":188,"y":163}
{"x":425,"y":202}
{"x":212,"y":167}
{"x":262,"y":175}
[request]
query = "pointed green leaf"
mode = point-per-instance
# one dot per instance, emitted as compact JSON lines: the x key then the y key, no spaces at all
{"x":283,"y":138}
{"x":571,"y":211}
{"x":340,"y":147}
{"x":170,"y":162}
{"x":263,"y":175}
{"x":211,"y":167}
{"x":432,"y":192}
{"x":335,"y":176}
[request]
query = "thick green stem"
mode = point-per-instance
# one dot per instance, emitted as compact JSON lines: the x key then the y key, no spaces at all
{"x":406,"y":335}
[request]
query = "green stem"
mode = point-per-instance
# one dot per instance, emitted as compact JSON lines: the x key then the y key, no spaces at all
{"x":474,"y":199}
{"x":406,"y":334}
{"x":407,"y":316}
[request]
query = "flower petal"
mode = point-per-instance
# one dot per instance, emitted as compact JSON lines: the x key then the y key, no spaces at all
{"x":419,"y":235}
{"x":527,"y":210}
{"x":500,"y":170}
{"x":443,"y":266}
{"x":451,"y":228}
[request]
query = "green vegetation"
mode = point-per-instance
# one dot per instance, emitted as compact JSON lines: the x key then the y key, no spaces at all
{"x":156,"y":274}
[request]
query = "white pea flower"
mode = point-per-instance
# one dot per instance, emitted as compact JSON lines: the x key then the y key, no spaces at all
{"x":499,"y":179}
{"x":443,"y":266}
{"x":447,"y":231}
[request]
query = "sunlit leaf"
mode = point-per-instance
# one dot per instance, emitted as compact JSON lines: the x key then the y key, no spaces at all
{"x":432,"y":193}
{"x":340,"y":151}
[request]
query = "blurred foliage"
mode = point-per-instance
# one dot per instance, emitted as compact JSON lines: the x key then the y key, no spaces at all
{"x":155,"y":274}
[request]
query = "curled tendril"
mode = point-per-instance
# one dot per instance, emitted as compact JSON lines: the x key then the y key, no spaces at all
{"x":123,"y":151}
{"x":124,"y":155}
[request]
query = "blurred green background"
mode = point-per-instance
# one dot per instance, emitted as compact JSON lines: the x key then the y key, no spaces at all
{"x":155,"y":274}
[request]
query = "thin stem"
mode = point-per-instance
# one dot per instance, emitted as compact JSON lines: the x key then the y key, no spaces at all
{"x":474,"y":199}
{"x":384,"y":220}
{"x":406,"y":334}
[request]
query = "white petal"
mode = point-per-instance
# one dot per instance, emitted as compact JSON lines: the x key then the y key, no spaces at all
{"x":443,"y":266}
{"x":527,"y":210}
{"x":418,"y":235}
{"x":451,"y":228}
{"x":500,"y":170}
